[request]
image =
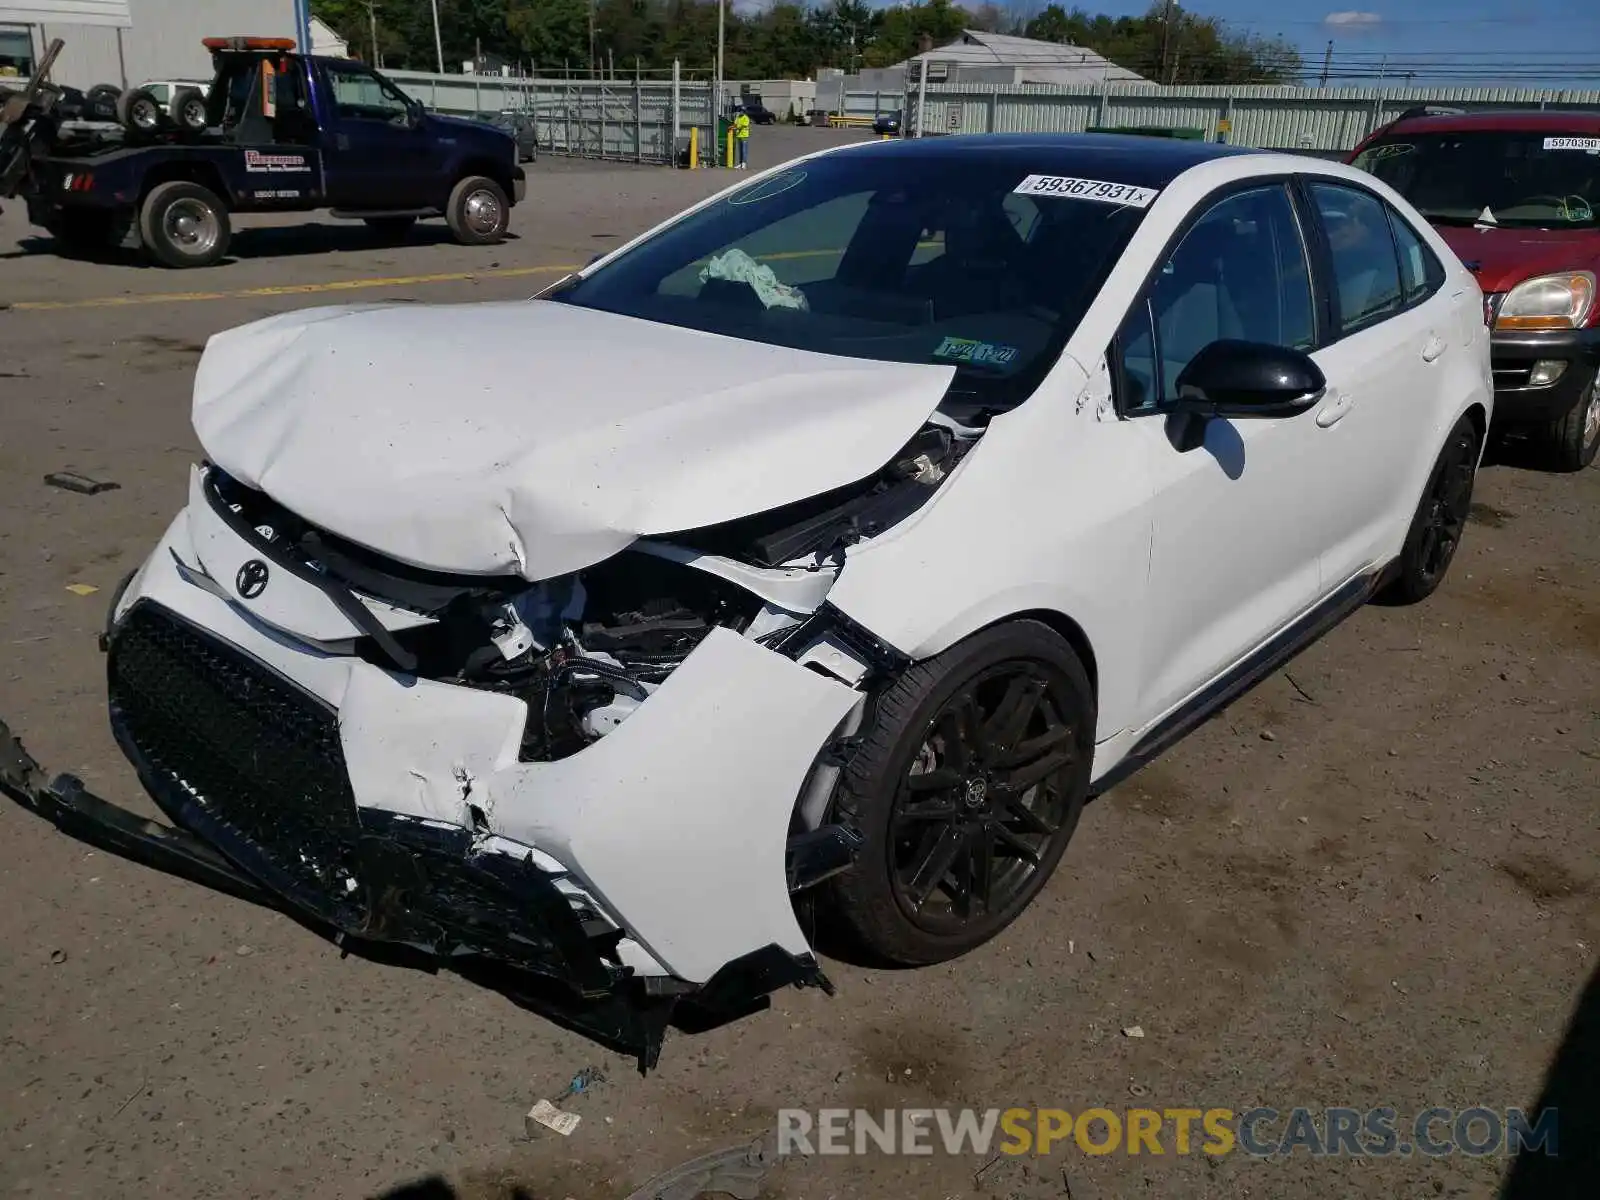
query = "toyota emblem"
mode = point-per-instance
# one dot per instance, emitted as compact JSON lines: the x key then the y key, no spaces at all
{"x":251,"y":580}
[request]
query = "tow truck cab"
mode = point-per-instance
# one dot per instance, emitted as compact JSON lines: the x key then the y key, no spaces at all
{"x":292,"y":132}
{"x":1517,"y":196}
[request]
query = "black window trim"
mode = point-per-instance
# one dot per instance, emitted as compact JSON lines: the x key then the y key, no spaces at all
{"x":1310,"y":230}
{"x":1434,"y":270}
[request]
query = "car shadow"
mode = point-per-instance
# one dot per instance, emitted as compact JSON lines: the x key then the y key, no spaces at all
{"x":286,"y":241}
{"x":1572,"y":1092}
{"x":1516,"y":449}
{"x":434,"y":1187}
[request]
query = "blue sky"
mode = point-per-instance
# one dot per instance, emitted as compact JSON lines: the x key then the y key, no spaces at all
{"x":1531,"y":42}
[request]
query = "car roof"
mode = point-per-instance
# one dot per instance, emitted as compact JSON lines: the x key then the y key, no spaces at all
{"x":1586,"y":122}
{"x":1122,"y":158}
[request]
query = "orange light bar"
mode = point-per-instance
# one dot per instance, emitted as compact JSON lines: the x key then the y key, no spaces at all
{"x":247,"y":43}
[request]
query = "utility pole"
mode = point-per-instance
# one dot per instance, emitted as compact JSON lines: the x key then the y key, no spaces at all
{"x":1166,"y":34}
{"x":593,"y":66}
{"x":438,"y":44}
{"x":1327,"y":62}
{"x":717,"y":87}
{"x":372,"y":22}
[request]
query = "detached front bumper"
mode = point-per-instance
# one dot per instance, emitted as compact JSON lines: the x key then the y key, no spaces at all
{"x":1515,"y":358}
{"x":649,"y":871}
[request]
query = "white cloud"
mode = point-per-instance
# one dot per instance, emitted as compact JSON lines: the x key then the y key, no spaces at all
{"x":1352,"y":20}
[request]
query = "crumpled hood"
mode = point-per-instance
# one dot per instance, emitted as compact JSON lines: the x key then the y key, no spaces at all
{"x":536,"y":438}
{"x":1506,"y":256}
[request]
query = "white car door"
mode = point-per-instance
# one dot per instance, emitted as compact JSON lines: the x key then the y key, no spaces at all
{"x":1394,"y":331}
{"x":1237,"y":530}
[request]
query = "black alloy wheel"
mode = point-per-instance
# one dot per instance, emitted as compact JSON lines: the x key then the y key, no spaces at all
{"x":1440,"y":520}
{"x":971,"y":774}
{"x":974,"y":816}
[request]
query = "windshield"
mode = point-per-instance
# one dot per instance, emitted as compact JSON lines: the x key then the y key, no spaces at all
{"x":1494,"y":177}
{"x":931,"y":258}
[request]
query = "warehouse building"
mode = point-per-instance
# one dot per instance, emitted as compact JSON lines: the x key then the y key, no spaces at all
{"x":127,"y":42}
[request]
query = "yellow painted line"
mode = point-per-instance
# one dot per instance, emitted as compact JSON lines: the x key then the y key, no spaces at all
{"x":287,"y":289}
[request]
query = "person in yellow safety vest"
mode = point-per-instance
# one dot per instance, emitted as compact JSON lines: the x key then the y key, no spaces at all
{"x":741,"y":139}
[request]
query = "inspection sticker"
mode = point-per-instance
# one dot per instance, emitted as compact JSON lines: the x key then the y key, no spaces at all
{"x":972,"y":351}
{"x":1086,"y":189}
{"x":1591,"y":144}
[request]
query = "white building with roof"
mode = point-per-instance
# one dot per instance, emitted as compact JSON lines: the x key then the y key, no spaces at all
{"x":979,"y":57}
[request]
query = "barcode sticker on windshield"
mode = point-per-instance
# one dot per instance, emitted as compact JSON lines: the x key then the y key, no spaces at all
{"x":1086,"y":189}
{"x":1592,"y":145}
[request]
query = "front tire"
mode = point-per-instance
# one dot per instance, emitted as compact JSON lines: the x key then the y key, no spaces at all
{"x":479,"y":212}
{"x":184,"y":225}
{"x":1440,"y":518}
{"x":1571,"y":441}
{"x":966,"y":790}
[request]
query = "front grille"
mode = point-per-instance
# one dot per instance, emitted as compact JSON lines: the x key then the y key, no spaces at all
{"x":256,"y":756}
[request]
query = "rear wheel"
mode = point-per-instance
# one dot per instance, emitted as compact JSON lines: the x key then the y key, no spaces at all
{"x":1571,"y":441}
{"x":479,"y":213}
{"x":1440,"y":519}
{"x":391,"y":229}
{"x":966,"y":789}
{"x":138,"y":110}
{"x":184,"y":225}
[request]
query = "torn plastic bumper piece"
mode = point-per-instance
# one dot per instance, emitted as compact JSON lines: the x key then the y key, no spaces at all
{"x":428,"y":900}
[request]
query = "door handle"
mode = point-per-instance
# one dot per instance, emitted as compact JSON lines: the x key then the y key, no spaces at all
{"x":1432,"y":348}
{"x":1334,"y":410}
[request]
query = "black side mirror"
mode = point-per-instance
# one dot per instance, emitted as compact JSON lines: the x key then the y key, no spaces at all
{"x":415,"y":113}
{"x":1248,"y":379}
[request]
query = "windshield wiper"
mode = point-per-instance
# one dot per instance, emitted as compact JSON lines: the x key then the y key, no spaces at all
{"x":1450,"y":219}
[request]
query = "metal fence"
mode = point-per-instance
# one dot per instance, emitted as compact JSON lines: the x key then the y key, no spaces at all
{"x":644,"y":120}
{"x":1312,"y":119}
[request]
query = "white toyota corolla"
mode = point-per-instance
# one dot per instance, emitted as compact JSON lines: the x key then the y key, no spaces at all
{"x":835,"y":538}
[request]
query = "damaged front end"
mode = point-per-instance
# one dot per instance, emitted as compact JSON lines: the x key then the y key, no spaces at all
{"x":599,"y":793}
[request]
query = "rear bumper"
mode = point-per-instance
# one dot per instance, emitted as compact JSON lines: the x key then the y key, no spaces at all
{"x":519,"y":185}
{"x":1514,"y":356}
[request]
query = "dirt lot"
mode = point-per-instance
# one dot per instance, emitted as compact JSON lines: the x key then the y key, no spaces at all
{"x":1374,"y":882}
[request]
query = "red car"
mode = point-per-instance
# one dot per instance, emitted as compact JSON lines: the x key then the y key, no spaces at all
{"x":1517,"y":196}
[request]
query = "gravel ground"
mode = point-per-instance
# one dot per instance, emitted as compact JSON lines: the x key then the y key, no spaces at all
{"x":1372,"y":882}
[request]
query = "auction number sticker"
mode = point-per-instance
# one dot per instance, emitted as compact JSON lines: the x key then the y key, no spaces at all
{"x":1086,"y":189}
{"x":1591,"y":144}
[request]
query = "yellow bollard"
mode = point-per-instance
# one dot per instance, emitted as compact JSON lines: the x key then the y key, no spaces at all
{"x":730,"y":147}
{"x":694,"y":148}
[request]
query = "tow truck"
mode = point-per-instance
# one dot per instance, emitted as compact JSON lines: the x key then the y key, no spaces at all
{"x":276,"y":131}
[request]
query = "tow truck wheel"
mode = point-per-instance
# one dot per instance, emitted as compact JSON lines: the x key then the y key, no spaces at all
{"x":137,"y":109}
{"x":184,"y":225}
{"x":479,"y":212}
{"x":188,"y":109}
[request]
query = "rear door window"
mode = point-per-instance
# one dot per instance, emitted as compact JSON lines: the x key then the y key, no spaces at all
{"x":1421,"y":273}
{"x":1366,"y":269}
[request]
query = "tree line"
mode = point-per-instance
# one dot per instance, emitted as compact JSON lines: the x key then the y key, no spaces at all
{"x":1168,"y":44}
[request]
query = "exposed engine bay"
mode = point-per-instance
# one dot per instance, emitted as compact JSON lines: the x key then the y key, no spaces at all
{"x":584,"y":650}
